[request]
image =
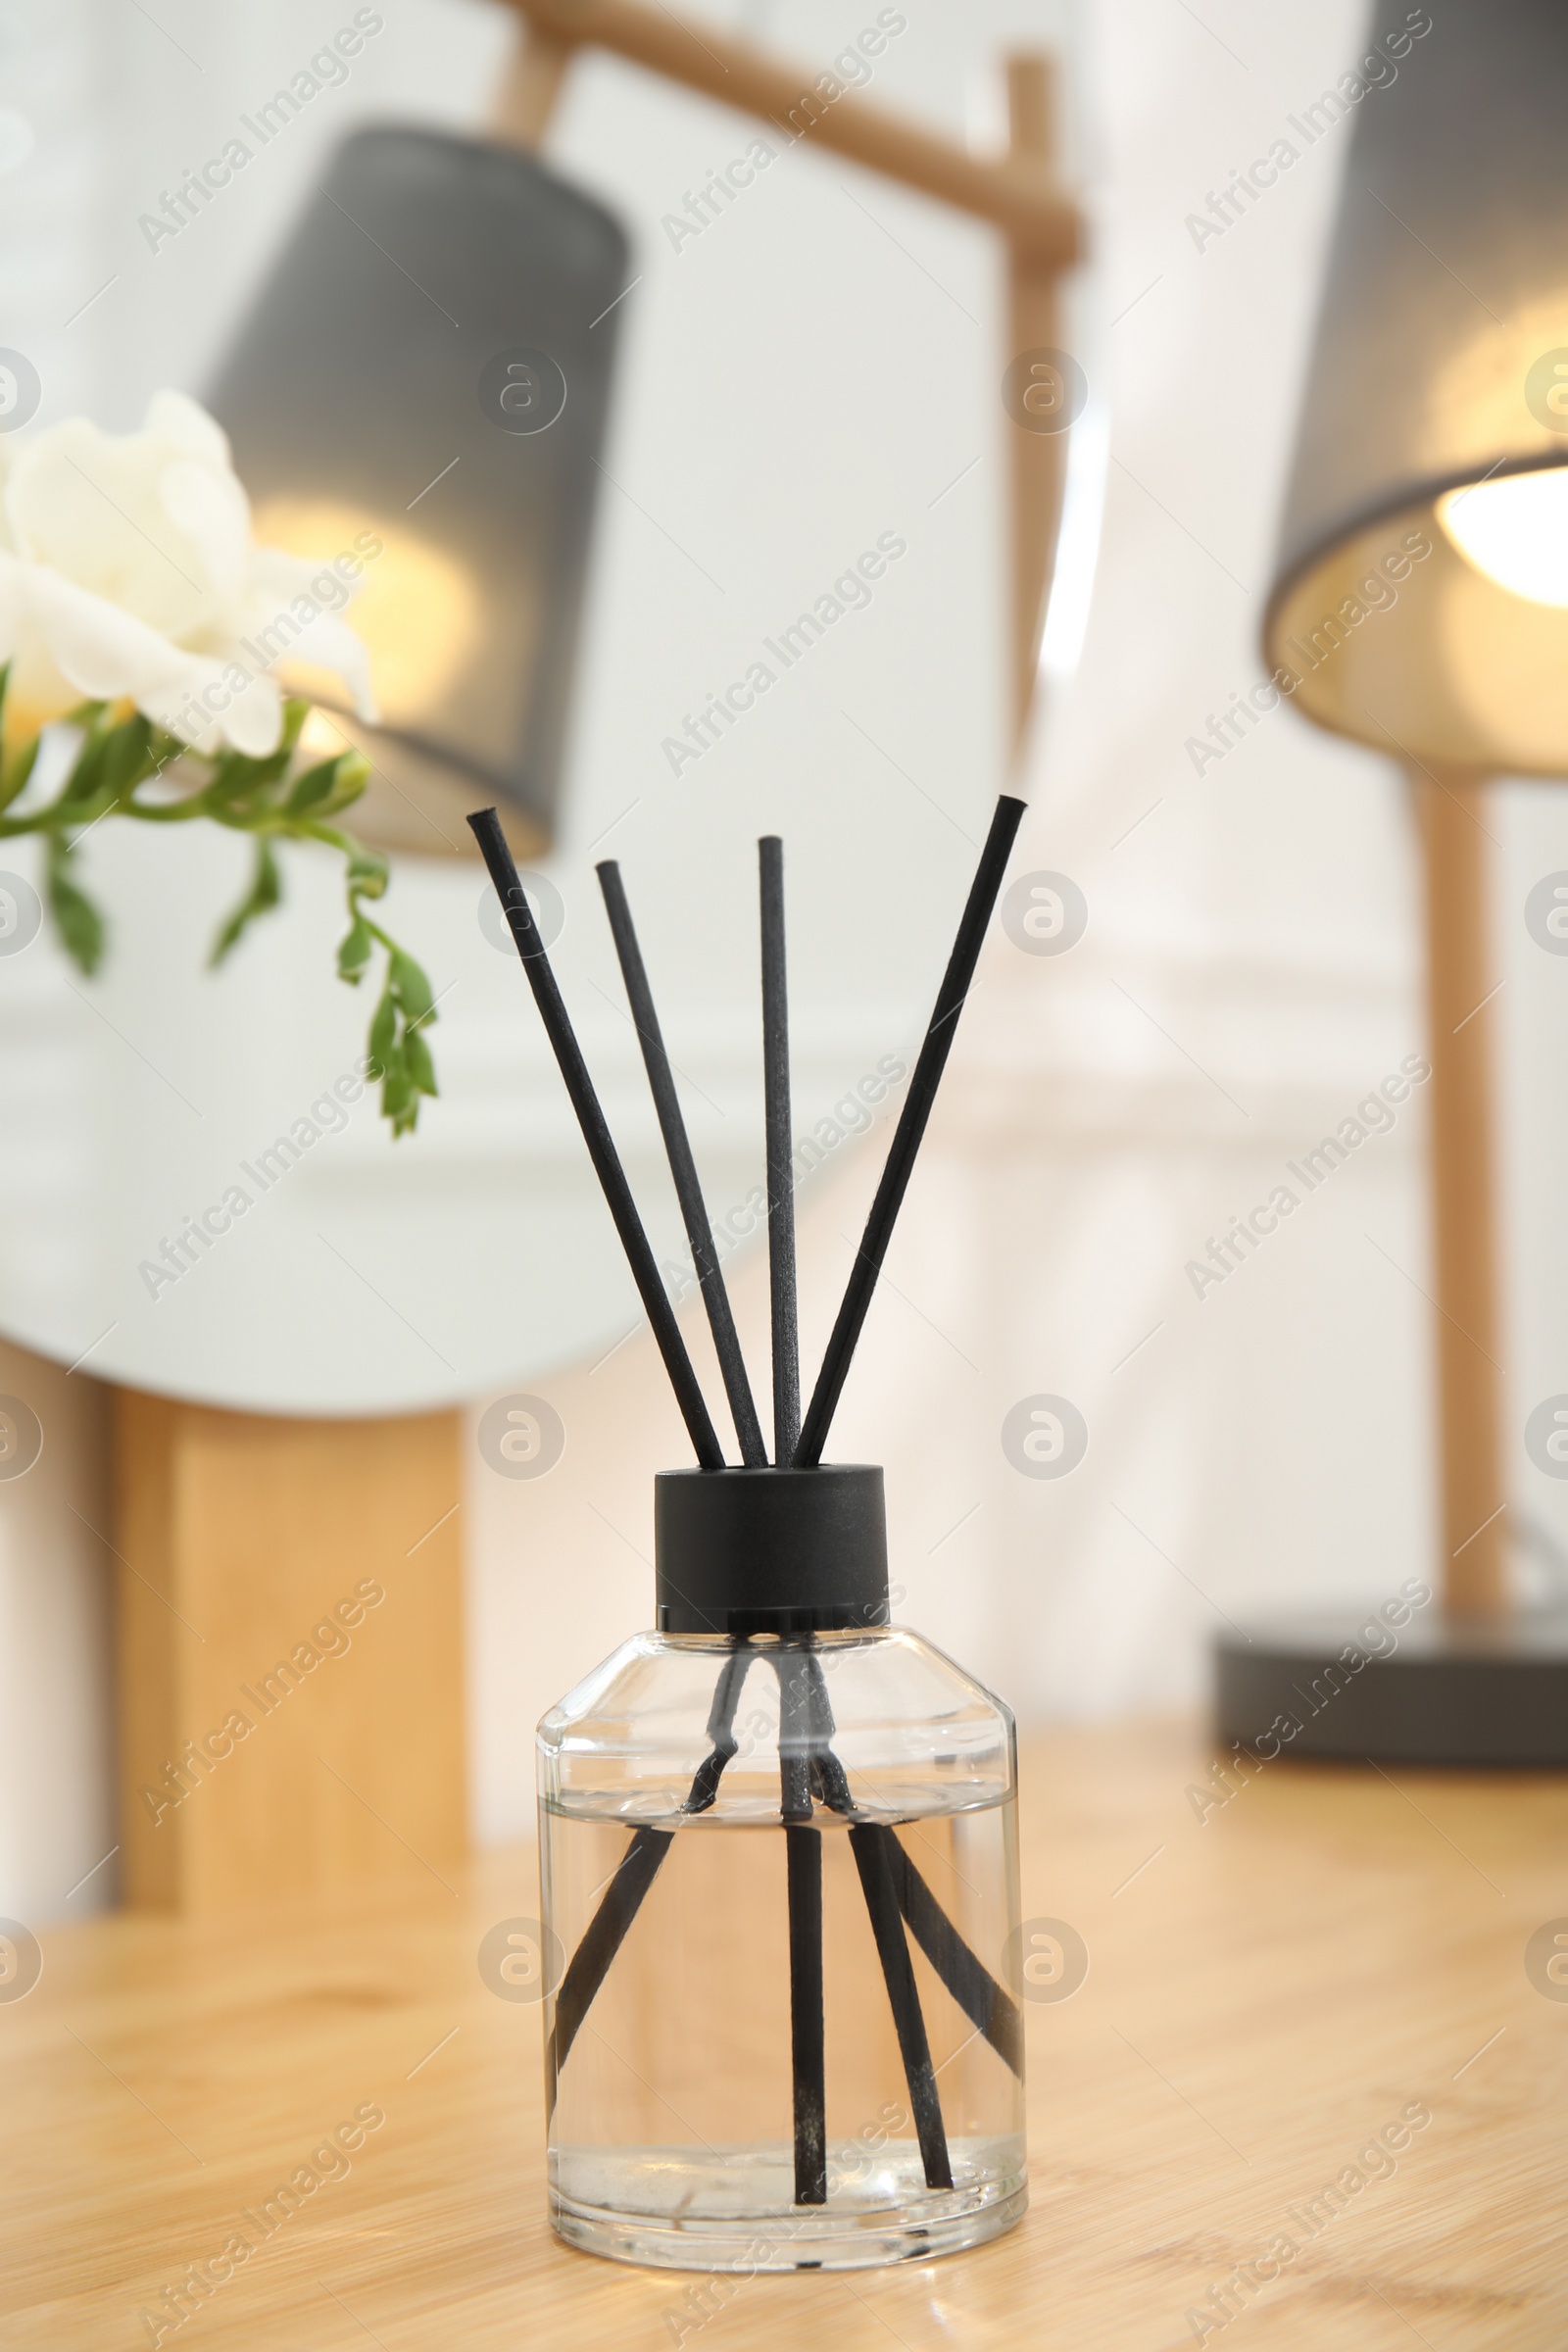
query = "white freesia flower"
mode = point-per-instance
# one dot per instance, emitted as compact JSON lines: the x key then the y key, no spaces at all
{"x":128,"y":573}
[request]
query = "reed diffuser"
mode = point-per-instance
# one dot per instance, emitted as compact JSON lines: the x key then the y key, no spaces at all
{"x":778,"y":1834}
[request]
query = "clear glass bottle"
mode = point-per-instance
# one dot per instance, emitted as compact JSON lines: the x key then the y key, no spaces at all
{"x":780,"y":1861}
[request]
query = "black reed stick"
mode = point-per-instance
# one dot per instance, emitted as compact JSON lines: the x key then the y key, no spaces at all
{"x":866,"y":1843}
{"x":909,"y":1130}
{"x":987,"y":2004}
{"x":803,"y":1860}
{"x":683,"y":1168}
{"x":486,"y":827}
{"x":602,"y":1939}
{"x":780,"y":1156}
{"x":802,"y":1854}
{"x":720,"y":1729}
{"x":646,"y":1854}
{"x":876,"y":1850}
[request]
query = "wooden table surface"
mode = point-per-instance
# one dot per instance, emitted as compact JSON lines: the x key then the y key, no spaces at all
{"x":1269,"y":1988}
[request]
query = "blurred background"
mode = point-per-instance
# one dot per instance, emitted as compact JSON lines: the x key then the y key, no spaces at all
{"x":819,"y":366}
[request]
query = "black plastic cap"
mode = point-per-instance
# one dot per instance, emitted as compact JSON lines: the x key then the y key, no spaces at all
{"x":770,"y":1551}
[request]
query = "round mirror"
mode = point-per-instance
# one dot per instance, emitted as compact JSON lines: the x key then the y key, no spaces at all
{"x":797,"y":620}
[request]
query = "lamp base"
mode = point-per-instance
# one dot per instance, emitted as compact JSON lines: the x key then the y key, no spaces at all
{"x":1453,"y":1691}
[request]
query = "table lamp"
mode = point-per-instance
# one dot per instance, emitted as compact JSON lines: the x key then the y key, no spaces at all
{"x":424,"y":384}
{"x":1420,"y":607}
{"x":428,"y":368}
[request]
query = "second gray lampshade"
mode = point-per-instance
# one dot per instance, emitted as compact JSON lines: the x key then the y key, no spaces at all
{"x":431,"y":362}
{"x":1441,"y":361}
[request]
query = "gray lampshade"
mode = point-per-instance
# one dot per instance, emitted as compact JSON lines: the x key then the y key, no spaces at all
{"x":1436,"y":407}
{"x":430,"y":362}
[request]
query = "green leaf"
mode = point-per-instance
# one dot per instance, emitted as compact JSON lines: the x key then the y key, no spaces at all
{"x":247,"y":784}
{"x":353,"y":775}
{"x":416,"y":1057}
{"x":126,"y":756}
{"x":110,"y":763}
{"x":18,"y":769}
{"x":411,"y":989}
{"x":236,"y":777}
{"x":383,"y":1031}
{"x":233,"y":776}
{"x":82,"y":782}
{"x":355,"y":952}
{"x":312,"y":788}
{"x":76,"y":918}
{"x":400,"y":1097}
{"x":265,"y":893}
{"x":331,"y":785}
{"x":368,"y":873}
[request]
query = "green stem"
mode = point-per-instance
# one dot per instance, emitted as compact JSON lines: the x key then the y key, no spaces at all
{"x":270,"y":800}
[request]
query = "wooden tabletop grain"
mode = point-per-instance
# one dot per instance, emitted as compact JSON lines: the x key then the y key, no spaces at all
{"x":1276,"y":1992}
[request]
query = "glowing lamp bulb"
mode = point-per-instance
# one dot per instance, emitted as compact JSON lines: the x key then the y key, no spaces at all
{"x":1514,"y":530}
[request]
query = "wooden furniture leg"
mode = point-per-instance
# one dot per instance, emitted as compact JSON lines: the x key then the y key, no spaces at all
{"x":1460,"y":982}
{"x":289,"y":1654}
{"x":1039,"y":460}
{"x":531,"y":89}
